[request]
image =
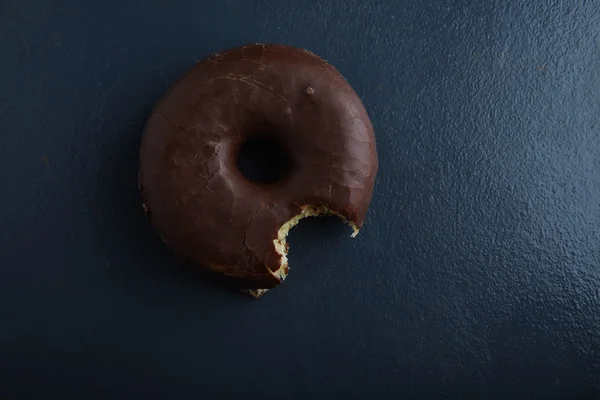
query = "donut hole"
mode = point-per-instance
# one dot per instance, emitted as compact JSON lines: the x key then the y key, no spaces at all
{"x":264,"y":159}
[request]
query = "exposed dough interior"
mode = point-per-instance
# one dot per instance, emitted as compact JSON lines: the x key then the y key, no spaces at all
{"x":281,"y":246}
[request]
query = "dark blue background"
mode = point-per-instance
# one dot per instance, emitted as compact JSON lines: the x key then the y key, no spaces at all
{"x":476,"y":276}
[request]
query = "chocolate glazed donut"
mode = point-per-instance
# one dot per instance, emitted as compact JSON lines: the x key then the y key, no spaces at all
{"x":195,"y":195}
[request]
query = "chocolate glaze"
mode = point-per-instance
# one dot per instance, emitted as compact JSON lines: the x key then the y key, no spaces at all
{"x":197,"y":199}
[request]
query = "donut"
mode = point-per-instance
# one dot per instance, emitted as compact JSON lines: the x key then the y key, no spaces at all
{"x":199,"y":201}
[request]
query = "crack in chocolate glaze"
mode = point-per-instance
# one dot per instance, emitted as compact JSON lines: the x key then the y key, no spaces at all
{"x":199,"y":199}
{"x":170,"y":122}
{"x":251,"y":82}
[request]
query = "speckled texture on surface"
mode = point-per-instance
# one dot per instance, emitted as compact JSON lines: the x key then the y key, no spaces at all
{"x":477,"y":276}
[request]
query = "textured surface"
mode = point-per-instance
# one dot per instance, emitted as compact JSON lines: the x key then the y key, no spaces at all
{"x":476,"y":274}
{"x":196,"y":196}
